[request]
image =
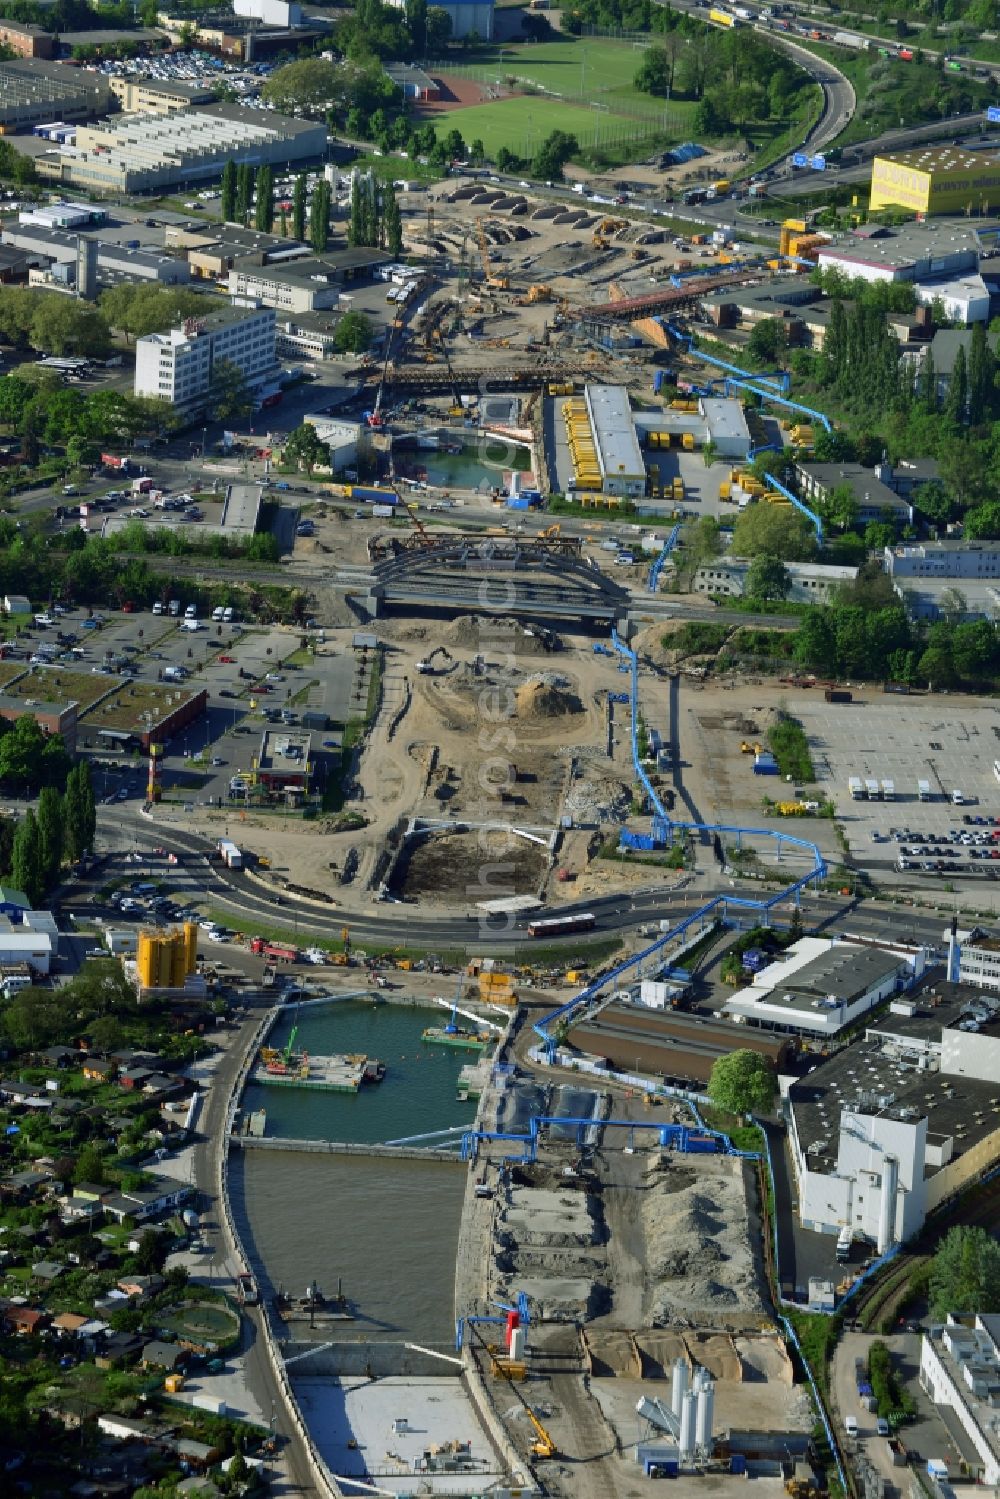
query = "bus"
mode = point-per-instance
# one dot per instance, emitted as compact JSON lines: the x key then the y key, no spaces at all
{"x":556,"y":926}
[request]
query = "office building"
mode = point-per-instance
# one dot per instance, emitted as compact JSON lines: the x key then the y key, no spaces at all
{"x":270,"y":12}
{"x":960,"y":1371}
{"x":872,"y":494}
{"x":309,"y":284}
{"x":27,"y":41}
{"x":177,"y":366}
{"x":150,"y":152}
{"x":809,"y":582}
{"x":158,"y":96}
{"x":35,"y":92}
{"x":936,"y":179}
{"x":943,"y":559}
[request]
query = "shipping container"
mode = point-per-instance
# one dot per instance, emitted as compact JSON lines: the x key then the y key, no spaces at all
{"x":838,"y":695}
{"x":230,"y":854}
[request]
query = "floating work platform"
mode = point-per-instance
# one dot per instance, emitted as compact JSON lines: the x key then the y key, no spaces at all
{"x":338,"y":1073}
{"x":445,"y":1035}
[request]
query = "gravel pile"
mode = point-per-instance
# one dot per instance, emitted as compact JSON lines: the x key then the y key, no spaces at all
{"x":698,"y":1248}
{"x":599,"y":799}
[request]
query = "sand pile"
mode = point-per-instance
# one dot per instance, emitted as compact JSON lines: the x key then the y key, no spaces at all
{"x":546,"y":696}
{"x":698,"y":1248}
{"x":483,"y":632}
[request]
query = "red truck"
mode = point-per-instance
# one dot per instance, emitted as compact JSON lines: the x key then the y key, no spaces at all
{"x":279,"y":952}
{"x":118,"y":465}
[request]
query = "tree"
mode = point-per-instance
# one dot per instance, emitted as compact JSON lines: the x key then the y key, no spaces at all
{"x":26,"y":869}
{"x":74,"y":814}
{"x":416,"y":20}
{"x":310,"y":86}
{"x":228,"y":395}
{"x":50,"y":832}
{"x":264,"y":208}
{"x":299,"y":207}
{"x":244,"y":192}
{"x":768,"y":341}
{"x":438,"y":30}
{"x":957,"y":396}
{"x":768,"y":578}
{"x":151,"y":1253}
{"x":654,"y":74}
{"x":770,"y":530}
{"x":552,"y":155}
{"x":89,"y":1166}
{"x":839,"y":508}
{"x":305,"y":447}
{"x":742,"y":1082}
{"x":965,"y":1273}
{"x":229,"y":191}
{"x":392,"y":224}
{"x":319,"y":217}
{"x":354,"y":333}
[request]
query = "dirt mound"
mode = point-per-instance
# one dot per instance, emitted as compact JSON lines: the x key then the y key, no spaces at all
{"x":546,"y":696}
{"x":481,"y":632}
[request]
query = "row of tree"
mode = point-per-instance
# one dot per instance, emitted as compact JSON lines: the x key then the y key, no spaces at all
{"x":32,"y":849}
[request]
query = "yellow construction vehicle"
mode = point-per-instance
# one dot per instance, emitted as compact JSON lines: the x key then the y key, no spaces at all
{"x":498,"y":282}
{"x":543,"y":1445}
{"x":550,"y":533}
{"x":539,"y":293}
{"x":749,"y":748}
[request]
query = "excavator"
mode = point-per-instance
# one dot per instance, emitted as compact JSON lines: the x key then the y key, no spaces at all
{"x":426,"y":665}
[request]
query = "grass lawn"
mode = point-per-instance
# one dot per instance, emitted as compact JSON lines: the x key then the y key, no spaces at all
{"x":574,"y":67}
{"x":522,"y":124}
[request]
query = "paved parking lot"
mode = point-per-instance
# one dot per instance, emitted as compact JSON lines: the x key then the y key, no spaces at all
{"x":906,"y":740}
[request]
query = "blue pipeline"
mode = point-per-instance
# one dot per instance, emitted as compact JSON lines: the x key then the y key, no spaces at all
{"x":810,"y":515}
{"x":752,"y":383}
{"x":545,"y":1027}
{"x":781,"y":384}
{"x":657,"y":567}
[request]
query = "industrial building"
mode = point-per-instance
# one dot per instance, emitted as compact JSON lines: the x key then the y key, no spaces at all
{"x":887,"y":1130}
{"x":943,"y":559}
{"x":819,"y":986}
{"x":466,"y":16}
{"x":114,"y":262}
{"x":810,"y":582}
{"x":603,"y":445}
{"x":270,"y":12}
{"x":936,"y":179}
{"x":960,"y":1371}
{"x":304,"y":284}
{"x":176,"y":366}
{"x":34,"y":92}
{"x":53,"y":716}
{"x":30,"y":937}
{"x":672,"y":1044}
{"x":343,"y":439}
{"x":158,"y":96}
{"x":148,"y":152}
{"x":64,"y":216}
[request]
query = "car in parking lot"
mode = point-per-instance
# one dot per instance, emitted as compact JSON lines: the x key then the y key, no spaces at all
{"x":227,"y":660}
{"x":218,"y":760}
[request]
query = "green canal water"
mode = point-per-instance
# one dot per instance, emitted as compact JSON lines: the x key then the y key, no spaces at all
{"x":475,"y":467}
{"x":417,"y":1095}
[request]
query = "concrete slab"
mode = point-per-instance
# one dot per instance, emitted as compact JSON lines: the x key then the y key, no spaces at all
{"x":379,"y":1431}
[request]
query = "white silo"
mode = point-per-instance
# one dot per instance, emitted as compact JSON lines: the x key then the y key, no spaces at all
{"x":687,"y":1436}
{"x":705,"y":1414}
{"x":679,"y":1387}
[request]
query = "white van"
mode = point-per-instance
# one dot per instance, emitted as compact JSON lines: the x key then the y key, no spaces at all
{"x":191,"y":612}
{"x":227,"y":615}
{"x":957,"y":799}
{"x":217,"y":613}
{"x":851,"y":1426}
{"x":157,"y":607}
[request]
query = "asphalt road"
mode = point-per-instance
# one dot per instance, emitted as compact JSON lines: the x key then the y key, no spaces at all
{"x":394,"y":924}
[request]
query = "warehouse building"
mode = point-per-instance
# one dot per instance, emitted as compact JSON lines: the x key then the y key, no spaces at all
{"x":64,"y":216}
{"x":679,"y":1047}
{"x":921,"y":253}
{"x":56,"y":247}
{"x":158,"y":96}
{"x":819,"y":986}
{"x":150,"y":152}
{"x":177,"y":366}
{"x":887,"y":1130}
{"x":936,"y":179}
{"x":35,"y":92}
{"x":622,"y":471}
{"x":960,"y":1370}
{"x":309,"y":284}
{"x":809,"y":582}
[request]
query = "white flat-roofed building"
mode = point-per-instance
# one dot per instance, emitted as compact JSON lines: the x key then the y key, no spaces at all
{"x":144,"y":152}
{"x":810,"y":582}
{"x":943,"y":559}
{"x":727,"y":426}
{"x":177,"y":366}
{"x":819,"y":986}
{"x":618,"y":454}
{"x":960,"y":1369}
{"x":34,"y":944}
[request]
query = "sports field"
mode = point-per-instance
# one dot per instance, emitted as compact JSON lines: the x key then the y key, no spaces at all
{"x":515,"y":96}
